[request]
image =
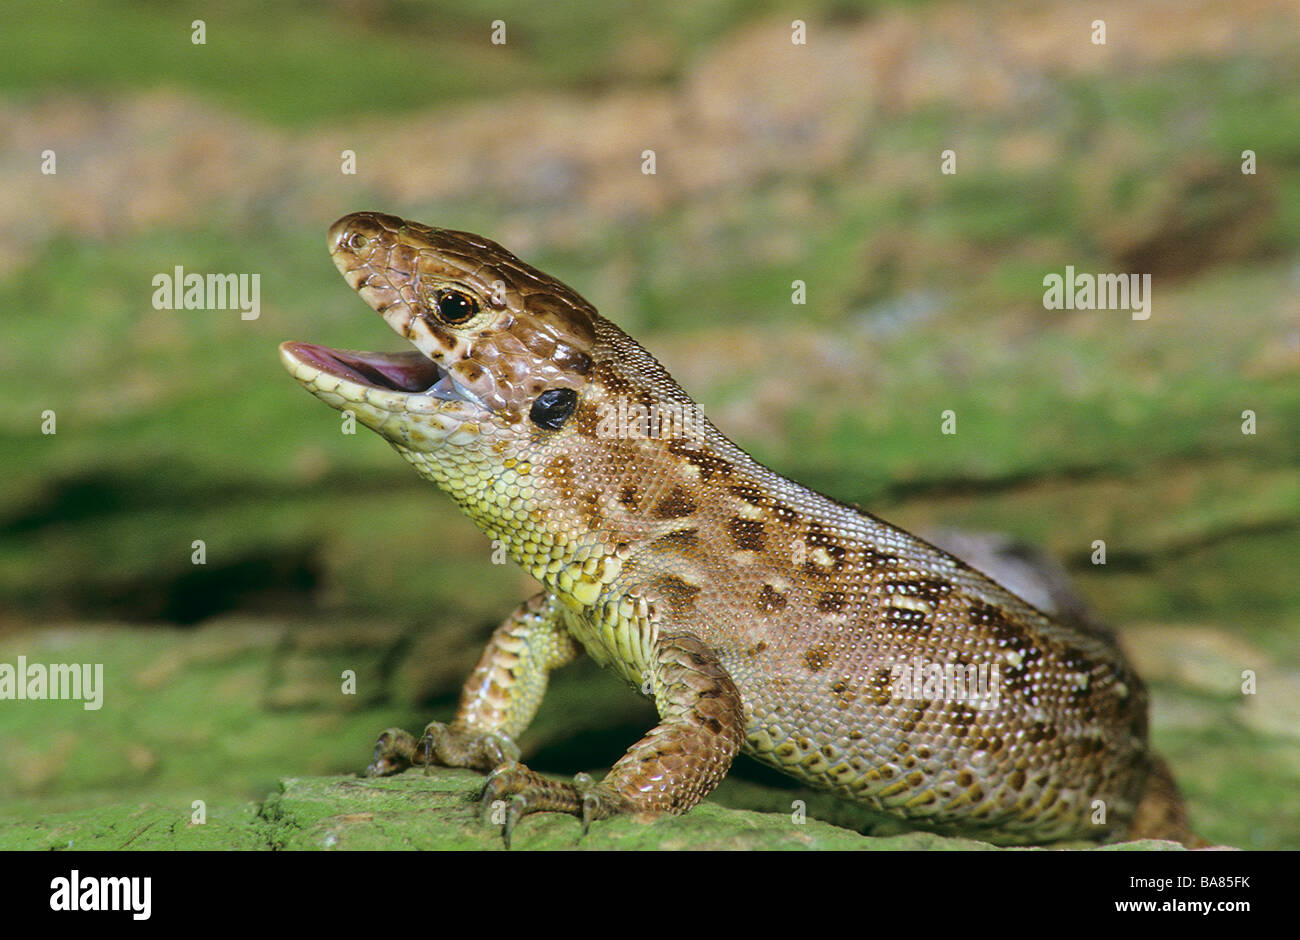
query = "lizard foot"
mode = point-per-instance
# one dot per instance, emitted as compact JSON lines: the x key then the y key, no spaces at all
{"x":394,"y":752}
{"x":517,"y":791}
{"x":440,"y":745}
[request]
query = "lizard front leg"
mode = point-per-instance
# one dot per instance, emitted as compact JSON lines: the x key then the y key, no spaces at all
{"x":669,"y":770}
{"x":499,"y":698}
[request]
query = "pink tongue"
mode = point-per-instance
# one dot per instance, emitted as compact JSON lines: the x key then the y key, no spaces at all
{"x":404,"y":371}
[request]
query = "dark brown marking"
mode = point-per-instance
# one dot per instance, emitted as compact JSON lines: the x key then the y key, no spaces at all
{"x":817,"y":657}
{"x":561,"y":315}
{"x":927,"y":589}
{"x":613,"y":381}
{"x":678,"y":542}
{"x":470,"y":371}
{"x":996,"y":620}
{"x":910,"y":621}
{"x":1075,"y":660}
{"x":746,"y":534}
{"x":676,"y":504}
{"x":678,"y":594}
{"x":874,"y":559}
{"x":831,"y":602}
{"x":748,"y":492}
{"x":571,"y":360}
{"x":707,"y":462}
{"x":1090,"y":746}
{"x":629,"y":497}
{"x":770,"y":599}
{"x":786,"y":514}
{"x":817,"y":537}
{"x":445,"y":339}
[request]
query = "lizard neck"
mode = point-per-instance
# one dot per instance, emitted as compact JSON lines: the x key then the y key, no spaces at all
{"x":637,"y":467}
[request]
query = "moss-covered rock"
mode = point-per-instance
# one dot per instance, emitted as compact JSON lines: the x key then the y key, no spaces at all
{"x":438,"y":810}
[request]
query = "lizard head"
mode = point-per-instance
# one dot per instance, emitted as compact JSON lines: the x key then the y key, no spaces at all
{"x":502,"y":351}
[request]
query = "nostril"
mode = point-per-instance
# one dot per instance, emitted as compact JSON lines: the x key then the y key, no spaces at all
{"x":338,"y":232}
{"x":348,"y":234}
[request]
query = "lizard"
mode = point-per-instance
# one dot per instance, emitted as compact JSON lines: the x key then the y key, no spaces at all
{"x":759,"y":615}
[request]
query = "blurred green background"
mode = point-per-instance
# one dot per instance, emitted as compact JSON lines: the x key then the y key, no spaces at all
{"x":775,"y":162}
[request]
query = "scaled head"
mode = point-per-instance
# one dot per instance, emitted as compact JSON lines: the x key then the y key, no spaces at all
{"x":502,"y":348}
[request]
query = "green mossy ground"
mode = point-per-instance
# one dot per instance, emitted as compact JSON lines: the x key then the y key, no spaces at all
{"x":415,"y":811}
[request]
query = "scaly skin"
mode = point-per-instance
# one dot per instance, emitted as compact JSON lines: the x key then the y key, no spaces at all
{"x":760,"y":615}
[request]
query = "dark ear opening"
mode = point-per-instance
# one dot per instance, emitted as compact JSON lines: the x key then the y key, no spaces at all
{"x":552,"y":408}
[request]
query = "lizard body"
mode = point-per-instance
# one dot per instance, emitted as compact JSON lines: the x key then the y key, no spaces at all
{"x":760,"y":615}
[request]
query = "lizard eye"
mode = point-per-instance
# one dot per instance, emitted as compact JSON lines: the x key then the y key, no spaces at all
{"x":553,"y":407}
{"x":454,"y":307}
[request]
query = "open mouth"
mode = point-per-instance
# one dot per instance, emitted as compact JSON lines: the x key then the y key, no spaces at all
{"x":411,"y":373}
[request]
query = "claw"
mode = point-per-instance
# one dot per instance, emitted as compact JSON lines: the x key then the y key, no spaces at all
{"x":492,"y":788}
{"x":514,"y":812}
{"x":494,"y":792}
{"x":428,"y":742}
{"x":590,"y":801}
{"x":374,"y":768}
{"x":392,"y":753}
